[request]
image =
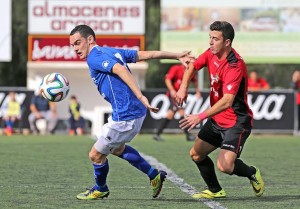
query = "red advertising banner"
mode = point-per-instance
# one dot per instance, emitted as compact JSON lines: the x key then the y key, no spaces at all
{"x":57,"y":47}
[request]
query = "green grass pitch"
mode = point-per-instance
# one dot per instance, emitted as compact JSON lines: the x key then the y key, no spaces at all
{"x":48,"y":172}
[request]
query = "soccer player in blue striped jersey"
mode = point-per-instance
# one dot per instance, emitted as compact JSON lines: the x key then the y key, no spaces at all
{"x":110,"y":73}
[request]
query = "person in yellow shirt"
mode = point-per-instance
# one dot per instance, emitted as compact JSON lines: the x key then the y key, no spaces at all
{"x":76,"y":121}
{"x":11,"y":113}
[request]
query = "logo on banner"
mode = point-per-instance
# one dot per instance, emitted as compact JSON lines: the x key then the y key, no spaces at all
{"x":268,"y":107}
{"x":52,"y":51}
{"x":60,"y":17}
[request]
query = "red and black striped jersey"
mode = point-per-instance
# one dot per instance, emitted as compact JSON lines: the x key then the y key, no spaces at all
{"x":228,"y":76}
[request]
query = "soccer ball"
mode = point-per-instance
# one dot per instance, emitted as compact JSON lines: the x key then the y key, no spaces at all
{"x":54,"y":87}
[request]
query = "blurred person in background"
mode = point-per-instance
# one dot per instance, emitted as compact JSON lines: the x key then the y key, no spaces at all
{"x":76,"y":121}
{"x":229,"y":119}
{"x":11,"y":113}
{"x":295,"y":84}
{"x":173,"y":80}
{"x":41,"y":108}
{"x":257,"y":83}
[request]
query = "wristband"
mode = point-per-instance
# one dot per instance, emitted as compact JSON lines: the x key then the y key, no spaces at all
{"x":202,"y":116}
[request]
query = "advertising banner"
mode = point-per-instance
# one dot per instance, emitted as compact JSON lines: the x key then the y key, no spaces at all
{"x":5,"y":35}
{"x":265,"y":31}
{"x":274,"y":111}
{"x":105,"y":17}
{"x":57,"y":48}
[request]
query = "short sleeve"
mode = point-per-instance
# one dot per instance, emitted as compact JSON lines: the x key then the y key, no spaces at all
{"x":263,"y":82}
{"x":101,"y":62}
{"x":129,"y":55}
{"x":33,"y":100}
{"x":171,"y":73}
{"x":201,"y":61}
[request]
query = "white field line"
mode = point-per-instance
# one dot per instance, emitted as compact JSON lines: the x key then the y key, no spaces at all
{"x":186,"y":188}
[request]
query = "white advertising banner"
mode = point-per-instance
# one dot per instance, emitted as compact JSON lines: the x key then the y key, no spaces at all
{"x":104,"y":16}
{"x":5,"y":35}
{"x":231,"y":3}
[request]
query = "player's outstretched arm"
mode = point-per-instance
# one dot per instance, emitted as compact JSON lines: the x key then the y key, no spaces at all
{"x":184,"y":57}
{"x":128,"y":78}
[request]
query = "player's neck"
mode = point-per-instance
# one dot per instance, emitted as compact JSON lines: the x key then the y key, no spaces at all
{"x":223,"y":54}
{"x":91,"y":46}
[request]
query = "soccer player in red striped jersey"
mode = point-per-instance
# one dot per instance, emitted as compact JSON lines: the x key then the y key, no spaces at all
{"x":229,"y":119}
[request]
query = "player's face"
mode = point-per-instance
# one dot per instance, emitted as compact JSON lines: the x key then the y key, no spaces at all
{"x":80,"y":45}
{"x":217,"y":42}
{"x":253,"y":76}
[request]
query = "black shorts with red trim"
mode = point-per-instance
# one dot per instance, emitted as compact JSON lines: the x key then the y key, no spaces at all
{"x":232,"y":139}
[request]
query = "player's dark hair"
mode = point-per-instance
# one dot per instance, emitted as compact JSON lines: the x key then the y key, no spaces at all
{"x":225,"y":27}
{"x":73,"y":97}
{"x":84,"y":30}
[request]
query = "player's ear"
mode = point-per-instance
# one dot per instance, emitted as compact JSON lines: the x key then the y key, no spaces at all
{"x":90,"y":39}
{"x":228,"y":42}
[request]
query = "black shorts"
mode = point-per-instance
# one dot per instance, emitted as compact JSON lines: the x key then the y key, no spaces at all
{"x":232,"y":139}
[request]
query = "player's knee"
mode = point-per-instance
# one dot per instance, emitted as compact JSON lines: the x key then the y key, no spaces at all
{"x":95,"y":156}
{"x":195,"y":156}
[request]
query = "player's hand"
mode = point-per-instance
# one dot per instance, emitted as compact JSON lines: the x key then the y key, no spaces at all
{"x":173,"y":93}
{"x":189,"y":122}
{"x":152,"y":109}
{"x":185,"y":58}
{"x":145,"y":101}
{"x":181,"y":96}
{"x":37,"y":115}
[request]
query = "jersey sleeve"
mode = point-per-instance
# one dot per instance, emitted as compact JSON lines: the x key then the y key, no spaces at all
{"x":263,"y":82}
{"x":232,"y":80}
{"x":129,"y":55}
{"x":201,"y":61}
{"x":101,"y":62}
{"x":33,"y":100}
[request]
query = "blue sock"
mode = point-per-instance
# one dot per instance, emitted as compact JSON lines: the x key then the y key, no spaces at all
{"x":136,"y":160}
{"x":9,"y":124}
{"x":100,"y":172}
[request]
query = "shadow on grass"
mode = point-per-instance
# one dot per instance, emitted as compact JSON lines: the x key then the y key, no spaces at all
{"x":267,"y":198}
{"x":124,"y":200}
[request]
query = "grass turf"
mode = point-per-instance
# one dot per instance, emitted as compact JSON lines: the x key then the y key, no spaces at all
{"x":49,"y":172}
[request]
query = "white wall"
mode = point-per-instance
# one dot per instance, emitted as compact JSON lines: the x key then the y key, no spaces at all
{"x":5,"y":35}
